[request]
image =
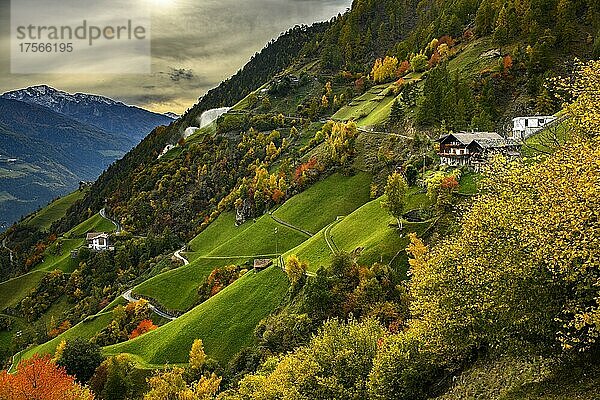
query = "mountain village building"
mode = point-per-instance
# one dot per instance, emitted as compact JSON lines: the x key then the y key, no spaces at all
{"x":474,"y":149}
{"x":98,"y":241}
{"x":524,"y":127}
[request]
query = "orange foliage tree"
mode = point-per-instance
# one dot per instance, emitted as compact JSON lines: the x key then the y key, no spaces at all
{"x":144,"y":326}
{"x":40,"y":379}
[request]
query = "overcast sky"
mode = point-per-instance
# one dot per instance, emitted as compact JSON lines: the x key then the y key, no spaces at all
{"x":195,"y":45}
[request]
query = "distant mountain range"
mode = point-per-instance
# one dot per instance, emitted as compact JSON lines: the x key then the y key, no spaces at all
{"x":50,"y":140}
{"x":101,"y":112}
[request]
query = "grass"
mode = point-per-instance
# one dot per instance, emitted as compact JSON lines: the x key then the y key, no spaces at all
{"x":62,"y":261}
{"x":225,"y":323}
{"x":370,"y":229}
{"x":259,"y":239}
{"x":320,"y":204}
{"x":363,"y":105}
{"x":13,"y":290}
{"x":86,"y":329}
{"x":93,"y":224}
{"x":379,"y":114}
{"x":44,"y":218}
{"x":468,"y":183}
{"x":222,"y":229}
{"x":546,"y":141}
{"x":469,"y":61}
{"x":177,"y":289}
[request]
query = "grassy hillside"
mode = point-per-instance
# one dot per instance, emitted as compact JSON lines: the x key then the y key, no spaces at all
{"x":177,"y":289}
{"x":320,"y":204}
{"x":44,"y":218}
{"x":219,"y":231}
{"x":62,"y":260}
{"x":370,"y":229}
{"x":13,"y":290}
{"x":85,"y":329}
{"x":93,"y":224}
{"x":225,"y":322}
{"x":365,"y":104}
{"x":259,"y":239}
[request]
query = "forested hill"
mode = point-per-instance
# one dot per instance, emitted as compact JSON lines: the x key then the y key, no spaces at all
{"x":538,"y":35}
{"x":276,"y":55}
{"x":388,"y":274}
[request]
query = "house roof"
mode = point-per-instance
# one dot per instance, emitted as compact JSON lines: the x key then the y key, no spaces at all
{"x":262,"y":262}
{"x":488,"y":143}
{"x":535,"y":117}
{"x":94,"y":235}
{"x":485,"y":140}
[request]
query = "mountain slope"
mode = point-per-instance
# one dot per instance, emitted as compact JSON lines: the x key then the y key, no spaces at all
{"x":103,"y":113}
{"x":49,"y":154}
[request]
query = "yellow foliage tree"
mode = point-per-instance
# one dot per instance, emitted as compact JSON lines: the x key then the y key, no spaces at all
{"x":385,"y":69}
{"x":295,"y":269}
{"x":197,"y":355}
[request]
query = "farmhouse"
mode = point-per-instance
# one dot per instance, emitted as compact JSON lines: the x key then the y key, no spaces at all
{"x":524,"y":127}
{"x":98,"y":241}
{"x":473,"y":149}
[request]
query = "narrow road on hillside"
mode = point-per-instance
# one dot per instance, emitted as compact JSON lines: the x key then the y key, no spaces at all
{"x":180,"y":257}
{"x":115,"y":223}
{"x":127,"y":296}
{"x":328,"y":238}
{"x":282,"y":222}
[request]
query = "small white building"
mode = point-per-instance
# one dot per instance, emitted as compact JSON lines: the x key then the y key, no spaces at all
{"x":98,"y":241}
{"x":524,"y":127}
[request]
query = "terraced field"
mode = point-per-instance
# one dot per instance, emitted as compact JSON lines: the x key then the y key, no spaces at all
{"x":93,"y":224}
{"x":177,"y":289}
{"x":370,"y":230}
{"x":320,"y":204}
{"x":364,"y":105}
{"x":225,"y":322}
{"x":44,"y":218}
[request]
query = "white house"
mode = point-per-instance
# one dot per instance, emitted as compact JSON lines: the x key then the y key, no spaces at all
{"x":98,"y":241}
{"x":523,"y":127}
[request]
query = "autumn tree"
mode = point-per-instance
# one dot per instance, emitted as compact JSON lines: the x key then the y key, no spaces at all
{"x":385,"y":69}
{"x":326,"y":360}
{"x":144,"y":326}
{"x":170,"y":384}
{"x":418,"y":63}
{"x":38,"y":378}
{"x":295,"y":269}
{"x":197,"y":355}
{"x":395,"y":202}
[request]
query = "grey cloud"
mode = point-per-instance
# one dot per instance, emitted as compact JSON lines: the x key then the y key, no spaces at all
{"x":195,"y":45}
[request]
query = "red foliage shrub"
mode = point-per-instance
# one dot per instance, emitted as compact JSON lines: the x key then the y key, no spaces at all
{"x":143,"y":327}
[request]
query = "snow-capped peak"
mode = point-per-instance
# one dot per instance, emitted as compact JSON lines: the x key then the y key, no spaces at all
{"x":50,"y":97}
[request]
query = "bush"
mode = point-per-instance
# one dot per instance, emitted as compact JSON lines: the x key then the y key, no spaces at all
{"x":419,"y":63}
{"x":401,"y":370}
{"x":80,"y":359}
